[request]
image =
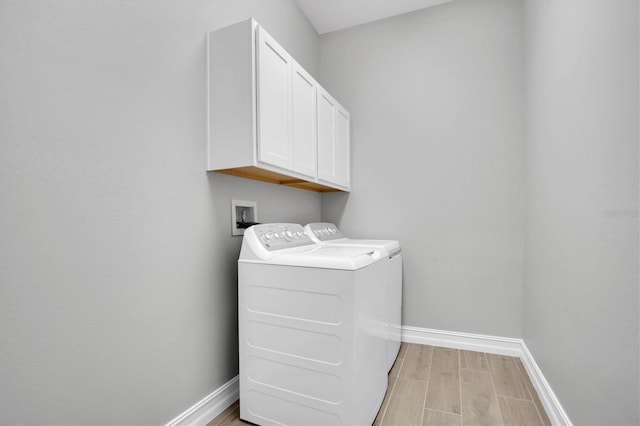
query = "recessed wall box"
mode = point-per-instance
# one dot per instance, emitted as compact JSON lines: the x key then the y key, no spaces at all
{"x":243,"y":215}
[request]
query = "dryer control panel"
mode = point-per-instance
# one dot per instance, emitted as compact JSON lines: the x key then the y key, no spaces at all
{"x":325,"y":231}
{"x":279,"y":236}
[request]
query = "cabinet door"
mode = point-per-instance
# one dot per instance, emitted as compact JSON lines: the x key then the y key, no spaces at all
{"x":342,"y":146}
{"x":326,"y":163}
{"x":333,"y":141}
{"x":304,"y":122}
{"x":274,"y":103}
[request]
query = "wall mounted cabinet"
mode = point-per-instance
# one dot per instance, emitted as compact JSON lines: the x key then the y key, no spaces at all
{"x":268,"y":119}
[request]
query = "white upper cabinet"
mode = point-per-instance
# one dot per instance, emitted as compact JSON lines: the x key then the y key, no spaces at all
{"x":268,"y":118}
{"x":275,"y":145}
{"x":333,"y":141}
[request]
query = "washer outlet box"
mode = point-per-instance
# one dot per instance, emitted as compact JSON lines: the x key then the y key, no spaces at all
{"x":243,"y":215}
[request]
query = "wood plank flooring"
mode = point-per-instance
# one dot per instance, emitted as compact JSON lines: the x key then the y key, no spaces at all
{"x":439,"y":386}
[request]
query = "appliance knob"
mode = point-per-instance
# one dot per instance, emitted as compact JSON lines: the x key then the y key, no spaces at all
{"x":288,"y":235}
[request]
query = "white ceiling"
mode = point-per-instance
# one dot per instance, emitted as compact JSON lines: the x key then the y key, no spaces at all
{"x":333,"y":15}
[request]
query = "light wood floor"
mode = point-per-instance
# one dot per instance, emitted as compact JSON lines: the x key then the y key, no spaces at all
{"x":438,"y":386}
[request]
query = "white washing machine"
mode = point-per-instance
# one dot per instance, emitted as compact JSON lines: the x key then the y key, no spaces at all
{"x":312,"y":329}
{"x":328,"y":233}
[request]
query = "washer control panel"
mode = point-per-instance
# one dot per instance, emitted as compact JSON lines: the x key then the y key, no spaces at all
{"x":278,"y":236}
{"x":326,"y":231}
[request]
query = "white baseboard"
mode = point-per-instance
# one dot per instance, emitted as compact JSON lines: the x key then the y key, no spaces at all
{"x":494,"y":345}
{"x":554,"y":410}
{"x":455,"y":340}
{"x":209,"y":407}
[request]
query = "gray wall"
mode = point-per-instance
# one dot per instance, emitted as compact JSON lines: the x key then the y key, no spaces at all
{"x":437,"y":156}
{"x":581,"y":293}
{"x":118,"y":269}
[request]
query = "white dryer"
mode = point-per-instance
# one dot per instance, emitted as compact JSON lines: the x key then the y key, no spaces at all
{"x":312,"y":335}
{"x":329,"y":234}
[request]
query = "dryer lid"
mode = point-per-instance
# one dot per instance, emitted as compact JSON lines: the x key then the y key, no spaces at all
{"x":328,"y":233}
{"x":387,"y":245}
{"x":328,"y":257}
